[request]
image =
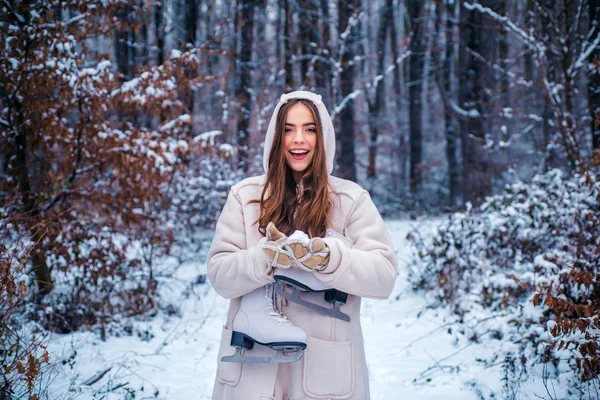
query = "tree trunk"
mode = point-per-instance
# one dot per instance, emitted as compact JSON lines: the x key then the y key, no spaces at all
{"x":287,"y":47}
{"x":418,"y":47}
{"x":473,"y":80}
{"x":500,"y":158}
{"x":347,"y":157}
{"x":17,"y":163}
{"x":279,"y":36}
{"x":397,"y":86}
{"x":452,"y":140}
{"x":528,"y":58}
{"x":159,"y":33}
{"x":210,"y":41}
{"x":245,"y":81}
{"x":308,"y":34}
{"x":191,"y":21}
{"x":323,"y":68}
{"x":190,"y":39}
{"x":142,"y":55}
{"x":594,"y":79}
{"x":123,"y":51}
{"x":30,"y":205}
{"x":378,"y":110}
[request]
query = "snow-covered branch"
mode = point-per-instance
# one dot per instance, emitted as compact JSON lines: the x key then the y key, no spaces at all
{"x":345,"y":101}
{"x":581,"y":60}
{"x":527,"y":39}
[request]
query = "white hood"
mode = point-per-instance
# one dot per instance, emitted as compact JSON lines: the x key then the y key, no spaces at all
{"x":326,"y":125}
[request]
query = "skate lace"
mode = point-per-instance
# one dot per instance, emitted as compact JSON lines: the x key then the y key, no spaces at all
{"x":272,"y":310}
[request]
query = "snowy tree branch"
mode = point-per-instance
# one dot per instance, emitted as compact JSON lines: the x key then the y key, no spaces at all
{"x":581,"y":60}
{"x":345,"y":101}
{"x":521,"y":34}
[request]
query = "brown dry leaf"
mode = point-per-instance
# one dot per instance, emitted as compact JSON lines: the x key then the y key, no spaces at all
{"x":20,"y":367}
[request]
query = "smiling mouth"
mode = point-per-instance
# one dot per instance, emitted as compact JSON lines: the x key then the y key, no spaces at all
{"x":299,"y":154}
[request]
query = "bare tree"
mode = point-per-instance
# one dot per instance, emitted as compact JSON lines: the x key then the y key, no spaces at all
{"x":445,"y":22}
{"x":189,"y":42}
{"x":377,"y":107}
{"x":397,"y":90}
{"x":123,"y":40}
{"x":323,"y":67}
{"x":191,"y":21}
{"x":308,"y":35}
{"x":477,"y":49}
{"x":287,"y":45}
{"x":594,"y":76}
{"x":572,"y":51}
{"x":418,"y":48}
{"x":347,"y":26}
{"x":159,"y":32}
{"x":244,"y":79}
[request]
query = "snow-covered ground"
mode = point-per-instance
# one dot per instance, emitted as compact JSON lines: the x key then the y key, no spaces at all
{"x":410,"y":353}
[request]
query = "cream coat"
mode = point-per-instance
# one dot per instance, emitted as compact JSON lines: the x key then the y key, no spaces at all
{"x":333,"y":365}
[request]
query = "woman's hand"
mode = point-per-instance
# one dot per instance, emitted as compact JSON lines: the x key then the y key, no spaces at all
{"x":274,"y":248}
{"x":312,"y":256}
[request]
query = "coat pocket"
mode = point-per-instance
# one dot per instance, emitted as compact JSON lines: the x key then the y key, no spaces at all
{"x":227,"y":372}
{"x":328,"y":369}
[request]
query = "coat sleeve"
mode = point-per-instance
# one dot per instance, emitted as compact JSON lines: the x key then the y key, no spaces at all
{"x":369,"y":268}
{"x":233,"y":268}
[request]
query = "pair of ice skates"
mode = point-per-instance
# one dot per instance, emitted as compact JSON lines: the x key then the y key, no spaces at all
{"x":259,"y":321}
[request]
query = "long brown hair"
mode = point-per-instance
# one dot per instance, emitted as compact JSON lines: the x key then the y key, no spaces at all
{"x":279,"y":202}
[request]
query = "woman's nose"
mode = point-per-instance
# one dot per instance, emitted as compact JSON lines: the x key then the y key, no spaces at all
{"x":299,"y":137}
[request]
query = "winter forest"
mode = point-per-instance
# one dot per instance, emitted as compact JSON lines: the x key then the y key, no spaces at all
{"x":474,"y":125}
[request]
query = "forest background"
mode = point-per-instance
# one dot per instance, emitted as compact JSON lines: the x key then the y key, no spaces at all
{"x":125,"y":123}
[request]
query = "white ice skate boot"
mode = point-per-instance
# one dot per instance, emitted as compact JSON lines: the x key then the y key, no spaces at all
{"x":258,"y":321}
{"x":293,"y":282}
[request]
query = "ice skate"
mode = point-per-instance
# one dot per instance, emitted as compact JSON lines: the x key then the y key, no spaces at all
{"x":258,"y":321}
{"x":292,"y":283}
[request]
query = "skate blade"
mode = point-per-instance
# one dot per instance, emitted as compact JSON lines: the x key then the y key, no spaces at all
{"x":278,"y":358}
{"x":294,"y":297}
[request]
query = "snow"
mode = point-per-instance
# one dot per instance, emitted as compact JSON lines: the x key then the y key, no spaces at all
{"x":299,"y":236}
{"x":185,"y":118}
{"x":175,"y":54}
{"x":409,"y":348}
{"x":207,"y":138}
{"x":472,"y":113}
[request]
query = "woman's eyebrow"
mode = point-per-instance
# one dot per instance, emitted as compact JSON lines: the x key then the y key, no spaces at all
{"x":306,"y":124}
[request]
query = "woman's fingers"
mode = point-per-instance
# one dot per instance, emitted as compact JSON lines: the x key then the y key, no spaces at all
{"x":274,"y":234}
{"x":313,"y":255}
{"x":278,"y":256}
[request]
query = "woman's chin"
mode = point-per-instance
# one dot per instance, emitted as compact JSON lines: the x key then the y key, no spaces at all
{"x":298,"y":167}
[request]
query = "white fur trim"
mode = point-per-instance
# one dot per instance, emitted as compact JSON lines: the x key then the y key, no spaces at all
{"x":326,"y":124}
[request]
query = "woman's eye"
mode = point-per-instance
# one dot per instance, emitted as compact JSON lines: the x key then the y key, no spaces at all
{"x":311,"y":130}
{"x":288,"y":130}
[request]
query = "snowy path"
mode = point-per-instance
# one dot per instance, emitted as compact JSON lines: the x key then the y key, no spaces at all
{"x":409,"y":353}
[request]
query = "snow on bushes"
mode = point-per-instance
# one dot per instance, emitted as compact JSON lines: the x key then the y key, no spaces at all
{"x":522,"y":273}
{"x":24,"y":360}
{"x":90,"y":156}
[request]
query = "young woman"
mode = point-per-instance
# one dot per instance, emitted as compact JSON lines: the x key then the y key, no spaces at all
{"x":350,"y":250}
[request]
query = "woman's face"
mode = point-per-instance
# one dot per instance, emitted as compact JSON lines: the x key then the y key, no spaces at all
{"x":299,"y":139}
